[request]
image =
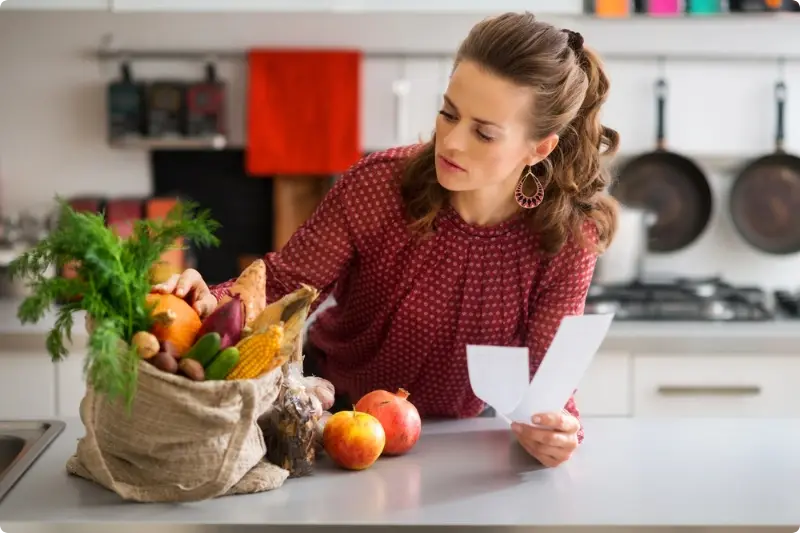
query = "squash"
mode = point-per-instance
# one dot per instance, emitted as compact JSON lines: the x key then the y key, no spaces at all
{"x":176,"y":321}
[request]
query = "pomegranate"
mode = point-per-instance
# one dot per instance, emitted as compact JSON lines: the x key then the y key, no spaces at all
{"x":398,"y":416}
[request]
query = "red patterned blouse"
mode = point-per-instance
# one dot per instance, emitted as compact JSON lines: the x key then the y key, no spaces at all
{"x":405,"y":310}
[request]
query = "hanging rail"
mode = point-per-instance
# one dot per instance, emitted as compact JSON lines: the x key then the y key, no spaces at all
{"x":238,"y":55}
{"x":229,"y":55}
{"x":106,"y":51}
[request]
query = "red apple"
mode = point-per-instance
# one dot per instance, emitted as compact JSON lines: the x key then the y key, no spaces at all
{"x":353,"y":440}
{"x":398,"y":416}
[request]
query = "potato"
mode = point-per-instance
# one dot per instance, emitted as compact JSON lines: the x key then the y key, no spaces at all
{"x":169,"y":348}
{"x":165,"y":362}
{"x":146,"y":344}
{"x":192,"y":369}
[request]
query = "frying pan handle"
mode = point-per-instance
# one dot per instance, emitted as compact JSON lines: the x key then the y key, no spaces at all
{"x":780,"y":101}
{"x":661,"y":104}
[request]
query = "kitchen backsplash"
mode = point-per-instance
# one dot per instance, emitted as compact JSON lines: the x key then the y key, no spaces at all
{"x":52,"y":100}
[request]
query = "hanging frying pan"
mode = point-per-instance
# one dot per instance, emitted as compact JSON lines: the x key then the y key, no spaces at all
{"x":765,"y":196}
{"x":669,"y":185}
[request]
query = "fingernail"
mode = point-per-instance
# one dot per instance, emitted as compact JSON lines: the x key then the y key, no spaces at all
{"x":537,"y":419}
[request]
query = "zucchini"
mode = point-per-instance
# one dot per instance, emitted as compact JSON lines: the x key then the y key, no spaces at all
{"x":205,"y":348}
{"x":222,"y":364}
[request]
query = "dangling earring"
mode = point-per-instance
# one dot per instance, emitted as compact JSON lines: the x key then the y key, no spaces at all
{"x":525,"y":201}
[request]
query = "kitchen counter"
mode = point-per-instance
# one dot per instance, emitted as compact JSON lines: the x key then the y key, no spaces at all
{"x":777,"y":337}
{"x":714,"y":473}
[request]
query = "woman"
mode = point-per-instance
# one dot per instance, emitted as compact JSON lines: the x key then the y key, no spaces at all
{"x":488,"y":234}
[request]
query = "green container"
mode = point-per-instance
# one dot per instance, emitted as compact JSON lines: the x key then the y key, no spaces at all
{"x":703,"y":6}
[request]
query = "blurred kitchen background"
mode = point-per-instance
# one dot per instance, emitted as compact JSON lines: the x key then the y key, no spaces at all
{"x":124,"y":105}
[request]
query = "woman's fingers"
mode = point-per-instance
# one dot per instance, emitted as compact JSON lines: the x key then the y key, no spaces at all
{"x":205,"y":306}
{"x":167,"y":287}
{"x":190,"y":281}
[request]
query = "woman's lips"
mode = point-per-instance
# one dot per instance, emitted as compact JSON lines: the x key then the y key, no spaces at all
{"x":449,"y":165}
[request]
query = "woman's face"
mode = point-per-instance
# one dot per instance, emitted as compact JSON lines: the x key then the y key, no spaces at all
{"x":482,"y":131}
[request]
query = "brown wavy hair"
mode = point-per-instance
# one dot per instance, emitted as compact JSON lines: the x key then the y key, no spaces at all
{"x":570,"y":88}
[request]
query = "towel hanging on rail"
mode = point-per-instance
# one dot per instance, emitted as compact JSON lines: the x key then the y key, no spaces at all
{"x":303,"y":114}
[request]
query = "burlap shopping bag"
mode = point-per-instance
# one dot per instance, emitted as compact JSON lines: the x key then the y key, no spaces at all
{"x":182,"y":441}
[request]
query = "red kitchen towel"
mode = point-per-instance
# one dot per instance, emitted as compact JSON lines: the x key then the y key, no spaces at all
{"x":303,"y":111}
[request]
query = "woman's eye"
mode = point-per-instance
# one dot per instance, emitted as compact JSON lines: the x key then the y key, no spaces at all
{"x":452,"y":118}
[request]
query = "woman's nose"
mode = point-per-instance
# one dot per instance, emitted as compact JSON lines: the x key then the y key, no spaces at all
{"x":454,"y":139}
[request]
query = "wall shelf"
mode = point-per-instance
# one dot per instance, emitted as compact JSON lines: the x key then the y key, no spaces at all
{"x":218,"y":142}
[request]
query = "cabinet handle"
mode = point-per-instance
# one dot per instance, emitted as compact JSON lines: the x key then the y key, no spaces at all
{"x":401,"y":88}
{"x":709,"y":390}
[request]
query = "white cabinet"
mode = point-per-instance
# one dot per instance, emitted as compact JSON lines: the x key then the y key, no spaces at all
{"x":383,"y":102}
{"x":641,"y":384}
{"x":70,"y":384}
{"x":27,"y":384}
{"x":426,"y":86}
{"x":32,"y":385}
{"x":562,"y":7}
{"x":698,"y":385}
{"x":56,"y":5}
{"x":605,"y":389}
{"x":401,"y":99}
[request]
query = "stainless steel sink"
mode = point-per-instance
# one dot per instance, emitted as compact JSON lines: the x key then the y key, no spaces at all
{"x":21,"y":443}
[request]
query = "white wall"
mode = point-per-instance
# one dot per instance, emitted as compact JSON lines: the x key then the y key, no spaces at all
{"x":52,"y":121}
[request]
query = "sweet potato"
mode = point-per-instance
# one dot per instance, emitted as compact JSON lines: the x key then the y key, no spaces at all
{"x":227,"y":320}
{"x":251,"y":286}
{"x":165,"y":362}
{"x":169,"y":348}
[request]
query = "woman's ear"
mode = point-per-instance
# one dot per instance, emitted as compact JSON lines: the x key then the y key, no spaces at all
{"x":542,"y":148}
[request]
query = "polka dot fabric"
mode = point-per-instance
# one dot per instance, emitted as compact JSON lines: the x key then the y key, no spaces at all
{"x":406,"y":309}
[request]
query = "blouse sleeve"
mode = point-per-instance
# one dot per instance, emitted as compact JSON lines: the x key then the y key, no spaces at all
{"x":318,"y":253}
{"x":563,"y":291}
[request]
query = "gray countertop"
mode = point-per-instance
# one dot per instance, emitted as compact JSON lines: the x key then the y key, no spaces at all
{"x":629,"y":472}
{"x":777,"y":337}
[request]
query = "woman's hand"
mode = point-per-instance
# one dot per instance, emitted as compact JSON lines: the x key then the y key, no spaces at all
{"x":190,"y":286}
{"x":552,"y":445}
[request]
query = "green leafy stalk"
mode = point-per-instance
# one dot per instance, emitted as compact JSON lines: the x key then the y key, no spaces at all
{"x":111,"y":285}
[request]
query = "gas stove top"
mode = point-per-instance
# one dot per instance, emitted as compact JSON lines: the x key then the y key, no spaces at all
{"x":684,"y":299}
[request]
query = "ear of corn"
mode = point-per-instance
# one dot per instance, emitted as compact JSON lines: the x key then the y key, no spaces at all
{"x":259,"y":354}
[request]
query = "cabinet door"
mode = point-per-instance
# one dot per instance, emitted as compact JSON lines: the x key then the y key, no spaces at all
{"x":700,"y":385}
{"x":27,"y":384}
{"x":605,"y":388}
{"x":425,"y":88}
{"x":384,"y":98}
{"x":56,"y":5}
{"x":70,"y":384}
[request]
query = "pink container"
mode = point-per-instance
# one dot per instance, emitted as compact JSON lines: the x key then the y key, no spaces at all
{"x":664,"y":7}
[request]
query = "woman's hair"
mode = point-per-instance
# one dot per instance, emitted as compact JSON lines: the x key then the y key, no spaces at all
{"x":570,"y":88}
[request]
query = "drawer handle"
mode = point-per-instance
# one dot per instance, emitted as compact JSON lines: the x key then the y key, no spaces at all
{"x":709,"y":390}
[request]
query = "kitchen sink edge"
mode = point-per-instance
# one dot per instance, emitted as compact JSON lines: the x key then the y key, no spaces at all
{"x":27,"y":440}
